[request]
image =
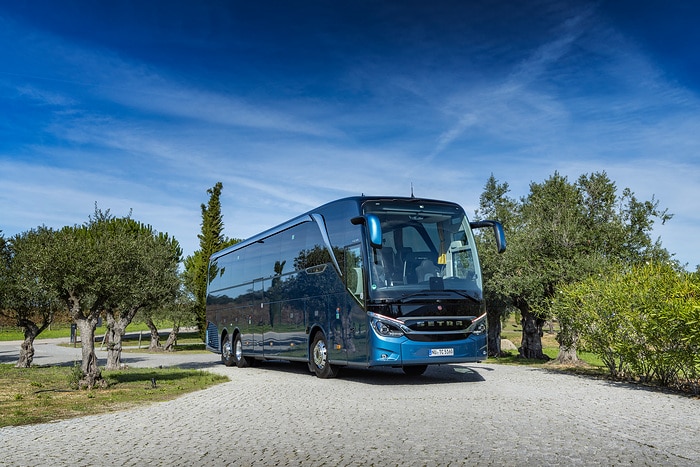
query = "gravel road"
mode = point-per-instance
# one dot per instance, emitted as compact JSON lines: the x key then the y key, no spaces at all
{"x":278,"y":414}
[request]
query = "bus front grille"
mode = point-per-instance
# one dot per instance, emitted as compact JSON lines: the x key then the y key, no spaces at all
{"x":212,"y":336}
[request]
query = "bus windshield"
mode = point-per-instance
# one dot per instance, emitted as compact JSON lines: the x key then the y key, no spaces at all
{"x":426,"y":246}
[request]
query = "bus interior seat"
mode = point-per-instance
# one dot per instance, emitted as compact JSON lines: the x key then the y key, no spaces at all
{"x":390,"y":258}
{"x":414,"y":260}
{"x":426,"y":270}
{"x":379,"y":270}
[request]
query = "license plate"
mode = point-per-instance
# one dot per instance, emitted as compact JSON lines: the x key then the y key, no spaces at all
{"x":441,"y":352}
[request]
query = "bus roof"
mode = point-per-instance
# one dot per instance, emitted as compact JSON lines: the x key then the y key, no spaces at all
{"x":359,"y":200}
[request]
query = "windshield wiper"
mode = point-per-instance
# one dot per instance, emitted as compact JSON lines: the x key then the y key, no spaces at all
{"x":463,"y":294}
{"x":413,"y":294}
{"x":433,"y":293}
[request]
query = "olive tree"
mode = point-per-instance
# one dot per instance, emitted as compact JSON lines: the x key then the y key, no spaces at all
{"x":494,"y":203}
{"x":147,"y":263}
{"x":26,"y":299}
{"x":177,"y":313}
{"x":560,"y":233}
{"x":79,"y":268}
{"x":108,"y":265}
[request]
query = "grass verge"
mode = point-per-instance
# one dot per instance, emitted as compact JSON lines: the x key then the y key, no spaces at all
{"x":62,"y":330}
{"x":590,"y":364}
{"x":45,"y":394}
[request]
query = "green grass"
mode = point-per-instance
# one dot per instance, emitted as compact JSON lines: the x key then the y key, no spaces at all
{"x":62,"y":330}
{"x":511,"y":330}
{"x":186,"y":341}
{"x":15,"y":334}
{"x":43,"y":394}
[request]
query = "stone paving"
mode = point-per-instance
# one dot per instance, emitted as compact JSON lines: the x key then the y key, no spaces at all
{"x":278,"y":414}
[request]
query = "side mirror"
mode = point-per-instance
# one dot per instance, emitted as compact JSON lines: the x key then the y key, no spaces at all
{"x":497,"y":232}
{"x":374,"y":228}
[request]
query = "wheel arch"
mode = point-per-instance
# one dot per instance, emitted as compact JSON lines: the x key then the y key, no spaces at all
{"x":222,"y":339}
{"x":225,"y":332}
{"x":315,"y":329}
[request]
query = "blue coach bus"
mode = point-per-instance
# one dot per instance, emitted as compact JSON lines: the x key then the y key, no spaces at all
{"x":358,"y":282}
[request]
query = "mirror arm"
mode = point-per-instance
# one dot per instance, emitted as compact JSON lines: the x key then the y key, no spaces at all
{"x":497,"y":232}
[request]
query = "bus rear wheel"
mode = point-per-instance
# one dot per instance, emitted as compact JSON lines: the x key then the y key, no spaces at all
{"x":414,"y":370}
{"x":319,"y":358}
{"x":240,"y":360}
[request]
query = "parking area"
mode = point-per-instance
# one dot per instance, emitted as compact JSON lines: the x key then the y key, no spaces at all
{"x":278,"y":414}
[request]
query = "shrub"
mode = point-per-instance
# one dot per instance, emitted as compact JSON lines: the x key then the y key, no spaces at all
{"x":644,"y":322}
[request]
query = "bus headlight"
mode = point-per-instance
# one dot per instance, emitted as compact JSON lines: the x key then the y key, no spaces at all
{"x":478,"y":326}
{"x":388,"y":327}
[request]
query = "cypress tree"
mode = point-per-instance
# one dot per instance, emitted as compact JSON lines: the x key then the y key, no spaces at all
{"x":211,"y":240}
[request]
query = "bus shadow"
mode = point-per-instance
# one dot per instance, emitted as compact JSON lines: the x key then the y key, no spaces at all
{"x":442,"y":374}
{"x":437,"y":374}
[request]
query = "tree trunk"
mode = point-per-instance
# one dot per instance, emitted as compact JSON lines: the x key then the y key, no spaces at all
{"x":92,"y":376}
{"x":155,"y":337}
{"x":493,"y":318}
{"x":26,"y":350}
{"x":532,"y":333}
{"x":567,"y":356}
{"x":31,"y":330}
{"x":116,"y":328}
{"x":172,"y":338}
{"x":568,"y":341}
{"x":114,"y":342}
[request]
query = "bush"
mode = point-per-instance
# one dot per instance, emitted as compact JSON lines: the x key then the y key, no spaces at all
{"x":643,"y":322}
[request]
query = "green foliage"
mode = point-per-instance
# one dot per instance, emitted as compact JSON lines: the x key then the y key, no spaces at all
{"x":643,"y":321}
{"x":27,"y":300}
{"x":560,"y":233}
{"x":5,"y":256}
{"x":144,"y":267}
{"x":108,"y":265}
{"x":211,"y":240}
{"x":75,"y":375}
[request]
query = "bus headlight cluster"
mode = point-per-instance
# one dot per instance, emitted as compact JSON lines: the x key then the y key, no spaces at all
{"x":386,"y":329}
{"x":478,"y":326}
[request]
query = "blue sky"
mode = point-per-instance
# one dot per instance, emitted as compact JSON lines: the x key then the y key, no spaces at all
{"x":143,"y":106}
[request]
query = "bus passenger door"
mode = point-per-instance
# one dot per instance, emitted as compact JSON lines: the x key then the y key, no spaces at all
{"x":354,"y":316}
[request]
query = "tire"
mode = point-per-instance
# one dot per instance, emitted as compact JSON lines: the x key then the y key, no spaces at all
{"x":414,"y":370}
{"x":318,"y":358}
{"x":237,"y":351}
{"x":227,"y":357}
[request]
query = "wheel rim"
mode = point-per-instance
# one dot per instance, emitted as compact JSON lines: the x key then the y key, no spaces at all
{"x":239,"y":349}
{"x":320,"y":354}
{"x":227,"y":349}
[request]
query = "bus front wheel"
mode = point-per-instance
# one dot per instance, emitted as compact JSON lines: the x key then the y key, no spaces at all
{"x":227,"y":352}
{"x":319,"y":358}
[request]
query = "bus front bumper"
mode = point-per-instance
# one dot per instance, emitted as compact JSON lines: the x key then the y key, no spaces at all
{"x":402,"y":351}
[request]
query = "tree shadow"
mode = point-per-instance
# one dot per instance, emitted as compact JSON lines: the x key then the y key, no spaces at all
{"x":7,"y":356}
{"x":144,"y":375}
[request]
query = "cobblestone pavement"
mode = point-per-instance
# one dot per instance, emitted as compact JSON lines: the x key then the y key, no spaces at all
{"x":278,"y":414}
